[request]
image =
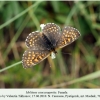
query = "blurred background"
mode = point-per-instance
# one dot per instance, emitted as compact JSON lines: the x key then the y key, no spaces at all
{"x":82,"y":57}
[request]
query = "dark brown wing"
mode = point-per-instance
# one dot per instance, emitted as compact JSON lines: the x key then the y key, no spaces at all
{"x":52,"y":31}
{"x":35,"y":41}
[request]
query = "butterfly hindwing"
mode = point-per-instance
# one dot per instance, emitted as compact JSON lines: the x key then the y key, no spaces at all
{"x":33,"y":57}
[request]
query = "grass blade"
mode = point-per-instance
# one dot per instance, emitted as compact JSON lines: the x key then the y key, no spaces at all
{"x":19,"y":15}
{"x":6,"y":68}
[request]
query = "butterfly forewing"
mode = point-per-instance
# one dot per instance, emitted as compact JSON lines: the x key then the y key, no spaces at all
{"x":33,"y":57}
{"x":35,"y":41}
{"x":68,"y":35}
{"x":52,"y":31}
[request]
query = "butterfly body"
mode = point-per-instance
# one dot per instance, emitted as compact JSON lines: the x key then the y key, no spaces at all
{"x":50,"y":45}
{"x":42,"y":44}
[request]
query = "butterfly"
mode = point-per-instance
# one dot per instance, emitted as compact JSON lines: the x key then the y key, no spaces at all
{"x":42,"y":43}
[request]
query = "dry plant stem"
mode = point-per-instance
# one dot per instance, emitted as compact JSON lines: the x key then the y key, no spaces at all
{"x":2,"y":63}
{"x":52,"y":65}
{"x":91,"y":13}
{"x":85,"y":52}
{"x":16,"y":37}
{"x":98,"y":63}
{"x":61,"y":62}
{"x":83,"y":49}
{"x":91,"y":85}
{"x":14,"y":48}
{"x":75,"y":71}
{"x":33,"y":17}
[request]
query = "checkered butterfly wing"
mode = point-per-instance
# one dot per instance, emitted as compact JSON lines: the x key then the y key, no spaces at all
{"x":32,"y":57}
{"x":37,"y":50}
{"x":68,"y":35}
{"x":35,"y":41}
{"x":52,"y":31}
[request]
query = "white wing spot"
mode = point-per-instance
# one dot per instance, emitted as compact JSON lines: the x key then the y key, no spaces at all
{"x":53,"y":56}
{"x":42,"y":26}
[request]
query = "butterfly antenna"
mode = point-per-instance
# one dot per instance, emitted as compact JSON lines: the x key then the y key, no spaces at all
{"x":67,"y":53}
